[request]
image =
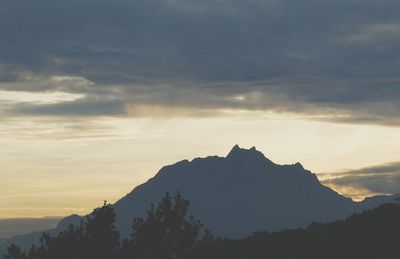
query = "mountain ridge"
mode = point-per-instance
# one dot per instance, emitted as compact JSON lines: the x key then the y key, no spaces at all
{"x":236,"y":169}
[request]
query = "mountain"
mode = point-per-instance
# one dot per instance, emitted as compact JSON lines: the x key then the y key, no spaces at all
{"x":239,"y":194}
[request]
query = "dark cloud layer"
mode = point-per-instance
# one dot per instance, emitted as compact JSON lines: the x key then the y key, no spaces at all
{"x":376,"y":179}
{"x":337,"y":58}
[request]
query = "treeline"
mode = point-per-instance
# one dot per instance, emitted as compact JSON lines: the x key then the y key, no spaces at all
{"x":373,"y":234}
{"x":168,"y":232}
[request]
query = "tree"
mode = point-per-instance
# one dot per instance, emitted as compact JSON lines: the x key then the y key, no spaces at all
{"x":101,"y":235}
{"x":167,"y":232}
{"x":68,"y":244}
{"x":96,"y":237}
{"x":206,"y":247}
{"x":14,"y":252}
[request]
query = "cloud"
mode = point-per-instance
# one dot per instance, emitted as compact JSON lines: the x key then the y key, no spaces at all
{"x":333,"y":60}
{"x":375,"y":33}
{"x":380,"y":179}
{"x":81,"y":107}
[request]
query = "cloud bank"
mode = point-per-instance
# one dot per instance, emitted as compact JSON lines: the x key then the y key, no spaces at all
{"x":333,"y":60}
{"x":380,"y":179}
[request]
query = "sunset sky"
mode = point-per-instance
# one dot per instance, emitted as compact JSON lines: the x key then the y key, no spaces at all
{"x":97,"y":95}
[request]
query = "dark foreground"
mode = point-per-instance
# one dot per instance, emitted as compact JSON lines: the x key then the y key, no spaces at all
{"x":169,"y":233}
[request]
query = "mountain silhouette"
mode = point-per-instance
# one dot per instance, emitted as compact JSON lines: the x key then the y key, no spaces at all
{"x":237,"y":195}
{"x":242,"y":193}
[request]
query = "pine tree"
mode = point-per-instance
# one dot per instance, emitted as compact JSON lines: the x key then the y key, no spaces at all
{"x":101,"y":235}
{"x":167,"y":232}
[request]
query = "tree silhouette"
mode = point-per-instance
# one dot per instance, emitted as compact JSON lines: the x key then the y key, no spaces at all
{"x":94,"y":238}
{"x":14,"y":252}
{"x":101,"y":235}
{"x":66,"y":245}
{"x":167,"y":232}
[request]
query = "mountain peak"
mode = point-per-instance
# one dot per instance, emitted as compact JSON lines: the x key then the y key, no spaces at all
{"x":237,"y":150}
{"x":238,"y":153}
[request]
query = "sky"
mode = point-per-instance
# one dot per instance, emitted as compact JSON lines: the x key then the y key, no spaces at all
{"x":97,"y":95}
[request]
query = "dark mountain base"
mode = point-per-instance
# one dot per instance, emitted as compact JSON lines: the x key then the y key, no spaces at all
{"x":168,"y":232}
{"x":373,"y":234}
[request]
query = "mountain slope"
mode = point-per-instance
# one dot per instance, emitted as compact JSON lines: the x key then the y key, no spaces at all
{"x":239,"y":194}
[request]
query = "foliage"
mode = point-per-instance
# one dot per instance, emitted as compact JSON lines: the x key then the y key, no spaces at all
{"x":14,"y":252}
{"x":167,"y":232}
{"x":374,"y":234}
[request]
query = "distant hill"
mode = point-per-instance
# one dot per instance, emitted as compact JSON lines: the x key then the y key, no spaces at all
{"x":26,"y":241}
{"x":239,"y":194}
{"x":17,"y":226}
{"x":372,"y":234}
